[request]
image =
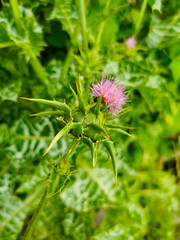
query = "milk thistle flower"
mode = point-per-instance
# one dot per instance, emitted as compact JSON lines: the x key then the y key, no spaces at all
{"x":112,"y":96}
{"x":130,"y":42}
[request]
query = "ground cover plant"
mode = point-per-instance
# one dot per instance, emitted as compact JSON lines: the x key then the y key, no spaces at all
{"x":82,"y":157}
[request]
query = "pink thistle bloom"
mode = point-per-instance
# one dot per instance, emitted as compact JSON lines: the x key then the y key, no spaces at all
{"x":130,"y":42}
{"x":112,"y":96}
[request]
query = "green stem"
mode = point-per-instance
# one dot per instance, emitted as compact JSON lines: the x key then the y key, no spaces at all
{"x":107,"y":6}
{"x":40,"y":72}
{"x":70,"y":151}
{"x":16,"y":13}
{"x":66,"y":65}
{"x":69,"y":57}
{"x":83,"y":25}
{"x":101,"y":28}
{"x":55,"y":184}
{"x":140,"y":19}
{"x":33,"y":221}
{"x":45,"y":197}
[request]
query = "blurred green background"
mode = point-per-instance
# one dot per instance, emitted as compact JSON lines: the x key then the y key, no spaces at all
{"x":44,"y":46}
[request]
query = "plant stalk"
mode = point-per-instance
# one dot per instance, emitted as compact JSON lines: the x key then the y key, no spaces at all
{"x":66,"y":65}
{"x":71,"y":149}
{"x":141,"y":16}
{"x":82,"y":13}
{"x":16,"y":14}
{"x":33,"y":221}
{"x":40,"y":72}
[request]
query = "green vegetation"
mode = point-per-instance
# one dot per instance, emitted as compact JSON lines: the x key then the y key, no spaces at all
{"x":45,"y":46}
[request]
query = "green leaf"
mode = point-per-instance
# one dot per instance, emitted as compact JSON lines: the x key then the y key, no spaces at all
{"x":120,"y":131}
{"x":53,"y":75}
{"x":118,"y":126}
{"x":73,"y":92}
{"x":155,"y":81}
{"x":34,"y":178}
{"x":57,"y":183}
{"x":31,"y":40}
{"x":117,"y":232}
{"x":66,"y":12}
{"x":163,"y":33}
{"x":13,"y":211}
{"x":95,"y":132}
{"x":12,"y":216}
{"x":97,"y":128}
{"x":91,"y":189}
{"x":92,"y":148}
{"x":111,"y":68}
{"x":49,"y":113}
{"x":59,"y":135}
{"x":56,"y":104}
{"x":29,"y":141}
{"x":10,"y":87}
{"x":80,"y":98}
{"x":76,"y":225}
{"x":77,"y":129}
{"x":111,"y":27}
{"x":96,"y":109}
{"x":5,"y":134}
{"x":157,"y":5}
{"x":175,"y":66}
{"x":110,"y":148}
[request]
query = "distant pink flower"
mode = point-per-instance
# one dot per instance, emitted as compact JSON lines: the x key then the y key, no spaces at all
{"x":130,"y":42}
{"x":113,"y":96}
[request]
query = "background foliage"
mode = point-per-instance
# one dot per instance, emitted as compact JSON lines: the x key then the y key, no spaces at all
{"x":45,"y":46}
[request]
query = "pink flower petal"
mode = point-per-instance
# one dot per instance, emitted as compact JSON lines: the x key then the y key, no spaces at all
{"x":113,"y":96}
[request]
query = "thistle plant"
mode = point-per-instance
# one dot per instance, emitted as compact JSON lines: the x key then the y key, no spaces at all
{"x":88,"y":123}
